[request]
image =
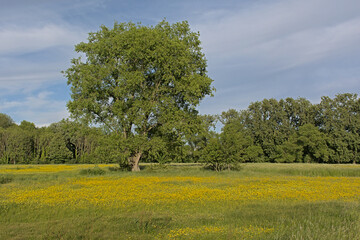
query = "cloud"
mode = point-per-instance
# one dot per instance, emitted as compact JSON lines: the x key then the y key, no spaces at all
{"x":266,"y":49}
{"x":29,"y":82}
{"x":282,"y":33}
{"x":27,"y":40}
{"x":308,"y":46}
{"x":33,"y":58}
{"x":41,"y":108}
{"x":36,"y":43}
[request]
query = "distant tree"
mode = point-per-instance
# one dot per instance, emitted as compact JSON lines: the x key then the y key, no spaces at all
{"x":111,"y":150}
{"x":307,"y":145}
{"x":298,"y":112}
{"x":272,"y":122}
{"x":197,"y":141}
{"x":339,"y":118}
{"x":269,"y":126}
{"x":213,"y":155}
{"x":79,"y":138}
{"x":20,"y":145}
{"x":56,"y":151}
{"x":4,"y":150}
{"x":42,"y":142}
{"x":137,"y":79}
{"x":6,"y":121}
{"x":29,"y":126}
{"x":234,"y":137}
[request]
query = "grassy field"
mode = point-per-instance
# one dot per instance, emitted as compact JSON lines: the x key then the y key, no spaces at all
{"x":260,"y":201}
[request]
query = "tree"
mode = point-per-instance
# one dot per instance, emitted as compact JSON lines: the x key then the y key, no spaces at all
{"x":27,"y":126}
{"x":235,"y":138}
{"x":137,"y":79}
{"x":6,"y":121}
{"x":272,"y":122}
{"x":269,"y":125}
{"x":80,"y":139}
{"x":4,"y":150}
{"x":20,"y":145}
{"x":339,"y":119}
{"x":307,"y":145}
{"x":197,"y":142}
{"x":213,"y":155}
{"x":57,"y":152}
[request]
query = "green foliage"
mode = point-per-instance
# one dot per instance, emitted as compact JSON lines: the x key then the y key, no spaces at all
{"x":28,"y":126}
{"x":79,"y":139}
{"x":307,"y":145}
{"x":217,"y":157}
{"x":339,"y":119}
{"x":313,"y":143}
{"x":111,"y":149}
{"x":19,"y":145}
{"x":57,"y":152}
{"x":271,"y":122}
{"x":254,"y":153}
{"x":5,"y":121}
{"x":234,"y":137}
{"x":213,"y":155}
{"x":137,"y":80}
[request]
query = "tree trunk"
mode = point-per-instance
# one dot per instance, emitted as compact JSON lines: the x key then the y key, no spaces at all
{"x":134,"y":162}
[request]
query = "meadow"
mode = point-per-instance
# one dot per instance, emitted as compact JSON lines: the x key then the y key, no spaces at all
{"x":259,"y":201}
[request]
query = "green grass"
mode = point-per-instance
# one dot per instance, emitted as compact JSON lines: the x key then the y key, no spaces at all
{"x":288,"y":219}
{"x":6,"y":179}
{"x":301,"y":169}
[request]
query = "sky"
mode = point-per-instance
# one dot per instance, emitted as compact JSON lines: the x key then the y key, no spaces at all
{"x":255,"y":49}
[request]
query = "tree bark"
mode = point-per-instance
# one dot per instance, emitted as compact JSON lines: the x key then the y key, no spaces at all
{"x":134,"y":162}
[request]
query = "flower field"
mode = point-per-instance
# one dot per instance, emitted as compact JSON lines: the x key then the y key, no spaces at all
{"x":174,"y":206}
{"x":113,"y":192}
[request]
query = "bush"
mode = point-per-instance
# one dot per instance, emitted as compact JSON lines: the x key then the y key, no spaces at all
{"x":214,"y":156}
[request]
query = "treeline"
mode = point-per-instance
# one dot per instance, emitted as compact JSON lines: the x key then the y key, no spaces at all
{"x":289,"y":130}
{"x":286,"y":130}
{"x":62,"y":142}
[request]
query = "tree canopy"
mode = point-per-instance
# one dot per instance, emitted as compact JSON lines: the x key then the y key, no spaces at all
{"x":139,"y":81}
{"x":5,"y":121}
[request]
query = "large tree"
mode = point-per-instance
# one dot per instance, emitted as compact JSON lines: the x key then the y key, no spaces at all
{"x":138,"y":79}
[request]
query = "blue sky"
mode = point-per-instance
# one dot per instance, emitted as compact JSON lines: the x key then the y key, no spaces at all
{"x":256,"y":49}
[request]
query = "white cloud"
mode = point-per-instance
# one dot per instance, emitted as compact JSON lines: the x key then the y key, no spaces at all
{"x":30,"y":66}
{"x":42,"y":108}
{"x":25,"y":40}
{"x":284,"y":33}
{"x":26,"y":83}
{"x":275,"y":49}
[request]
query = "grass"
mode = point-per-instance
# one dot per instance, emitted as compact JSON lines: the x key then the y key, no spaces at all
{"x":92,"y":171}
{"x":5,"y":179}
{"x":260,"y":201}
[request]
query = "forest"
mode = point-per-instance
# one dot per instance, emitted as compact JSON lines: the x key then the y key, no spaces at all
{"x":282,"y":131}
